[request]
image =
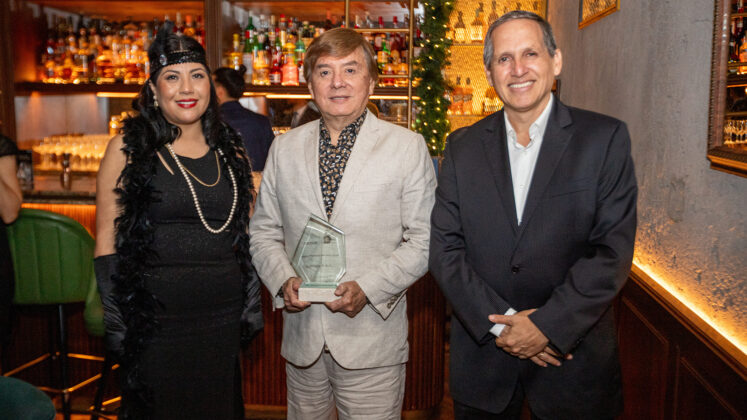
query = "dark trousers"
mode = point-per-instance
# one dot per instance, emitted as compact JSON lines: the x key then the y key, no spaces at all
{"x":511,"y":412}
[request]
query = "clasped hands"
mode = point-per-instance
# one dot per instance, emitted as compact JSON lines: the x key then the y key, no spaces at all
{"x":522,"y":339}
{"x":352,"y":298}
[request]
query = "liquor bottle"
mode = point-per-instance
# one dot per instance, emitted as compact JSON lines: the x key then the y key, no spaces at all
{"x":492,"y":17}
{"x":379,"y":39}
{"x":278,"y":47}
{"x":395,"y":23}
{"x":388,"y":67}
{"x":492,"y":103}
{"x":417,"y":44}
{"x":200,"y":31}
{"x":273,"y":26}
{"x":262,"y":25}
{"x":290,"y":68}
{"x":381,"y":22}
{"x":460,"y":30}
{"x":82,"y":68}
{"x":234,"y":57}
{"x":261,"y":74}
{"x":733,"y":47}
{"x":369,"y":23}
{"x":307,"y":35}
{"x":189,"y":27}
{"x":357,"y":22}
{"x":456,"y":98}
{"x":276,"y":71}
{"x":247,"y":57}
{"x":178,"y":25}
{"x":328,"y":21}
{"x":382,"y":56}
{"x":743,"y":55}
{"x":300,"y":54}
{"x":467,"y":98}
{"x":394,"y":56}
{"x":477,"y":26}
{"x":49,"y":68}
{"x":403,"y":70}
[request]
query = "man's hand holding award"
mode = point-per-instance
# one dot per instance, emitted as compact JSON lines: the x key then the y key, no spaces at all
{"x":319,"y":260}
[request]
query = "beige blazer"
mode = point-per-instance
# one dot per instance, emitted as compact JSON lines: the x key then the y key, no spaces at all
{"x":383,"y":205}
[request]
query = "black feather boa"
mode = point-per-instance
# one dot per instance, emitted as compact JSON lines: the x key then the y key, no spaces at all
{"x":134,"y":239}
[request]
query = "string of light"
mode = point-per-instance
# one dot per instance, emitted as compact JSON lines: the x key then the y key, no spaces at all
{"x":432,"y":87}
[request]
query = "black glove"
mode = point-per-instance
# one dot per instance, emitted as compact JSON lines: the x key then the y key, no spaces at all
{"x":105,"y":267}
{"x":251,"y":315}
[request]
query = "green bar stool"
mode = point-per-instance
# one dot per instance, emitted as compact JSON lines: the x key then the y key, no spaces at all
{"x":53,"y":262}
{"x":20,"y":400}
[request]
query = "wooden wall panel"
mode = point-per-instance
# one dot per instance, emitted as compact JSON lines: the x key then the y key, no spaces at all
{"x":697,"y":399}
{"x":670,"y":370}
{"x":426,"y":310}
{"x":264,"y":368}
{"x":644,"y":350}
{"x":85,"y":214}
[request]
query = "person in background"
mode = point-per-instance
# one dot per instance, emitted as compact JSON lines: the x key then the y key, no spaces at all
{"x":10,"y":204}
{"x":255,"y":129}
{"x":532,"y":238}
{"x":375,"y":181}
{"x":172,"y":249}
{"x":306,"y":112}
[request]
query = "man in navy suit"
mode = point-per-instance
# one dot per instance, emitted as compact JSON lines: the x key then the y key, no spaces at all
{"x":255,"y":129}
{"x":532,"y":237}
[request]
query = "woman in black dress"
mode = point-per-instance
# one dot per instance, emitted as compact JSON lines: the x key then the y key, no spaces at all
{"x":173,"y":267}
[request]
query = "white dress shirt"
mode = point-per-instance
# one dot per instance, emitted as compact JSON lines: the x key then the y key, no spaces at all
{"x":523,"y":160}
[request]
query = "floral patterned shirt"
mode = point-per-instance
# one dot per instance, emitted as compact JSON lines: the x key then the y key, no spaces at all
{"x":332,"y":159}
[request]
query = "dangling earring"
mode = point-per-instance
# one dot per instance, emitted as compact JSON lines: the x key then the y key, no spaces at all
{"x":155,"y":102}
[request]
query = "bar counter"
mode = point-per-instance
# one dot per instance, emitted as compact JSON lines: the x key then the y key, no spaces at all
{"x":48,"y":190}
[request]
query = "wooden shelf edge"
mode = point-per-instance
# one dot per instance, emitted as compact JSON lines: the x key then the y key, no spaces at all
{"x":730,"y":161}
{"x":381,"y":30}
{"x":304,"y":90}
{"x":26,"y":88}
{"x":732,"y":355}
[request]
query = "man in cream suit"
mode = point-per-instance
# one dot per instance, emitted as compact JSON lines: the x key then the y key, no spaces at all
{"x":375,"y":181}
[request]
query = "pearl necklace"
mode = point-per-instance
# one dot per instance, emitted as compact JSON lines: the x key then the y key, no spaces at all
{"x":194,"y":194}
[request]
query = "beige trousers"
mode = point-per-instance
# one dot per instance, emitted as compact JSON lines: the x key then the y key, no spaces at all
{"x":326,"y":390}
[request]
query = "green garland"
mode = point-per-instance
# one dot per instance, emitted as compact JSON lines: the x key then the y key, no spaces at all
{"x":431,"y":121}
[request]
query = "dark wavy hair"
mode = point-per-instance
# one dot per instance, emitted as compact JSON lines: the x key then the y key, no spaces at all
{"x":161,"y":131}
{"x":232,"y":80}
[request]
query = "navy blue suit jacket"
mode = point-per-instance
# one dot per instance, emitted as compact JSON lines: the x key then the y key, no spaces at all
{"x":255,"y":129}
{"x":568,"y":259}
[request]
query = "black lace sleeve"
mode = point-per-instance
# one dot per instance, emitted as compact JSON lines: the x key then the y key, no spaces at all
{"x":7,"y":147}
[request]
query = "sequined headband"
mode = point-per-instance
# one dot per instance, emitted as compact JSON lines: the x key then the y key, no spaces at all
{"x":177,"y":57}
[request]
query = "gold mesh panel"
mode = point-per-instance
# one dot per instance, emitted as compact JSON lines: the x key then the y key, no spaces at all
{"x":467,"y":32}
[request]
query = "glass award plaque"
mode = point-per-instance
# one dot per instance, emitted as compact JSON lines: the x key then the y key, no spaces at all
{"x":319,"y":260}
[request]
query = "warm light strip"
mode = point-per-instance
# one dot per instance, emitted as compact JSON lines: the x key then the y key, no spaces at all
{"x":116,"y":94}
{"x":720,"y":329}
{"x":400,"y":97}
{"x":288,"y":96}
{"x":308,"y":96}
